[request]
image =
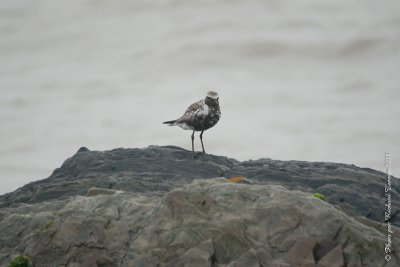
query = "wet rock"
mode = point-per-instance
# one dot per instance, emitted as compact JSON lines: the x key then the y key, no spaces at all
{"x":199,"y":256}
{"x":333,"y":259}
{"x":178,"y":229}
{"x":158,"y":207}
{"x":302,"y":253}
{"x":356,"y":191}
{"x":99,"y":191}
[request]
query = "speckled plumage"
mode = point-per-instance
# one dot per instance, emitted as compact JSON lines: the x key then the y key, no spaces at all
{"x":200,"y":116}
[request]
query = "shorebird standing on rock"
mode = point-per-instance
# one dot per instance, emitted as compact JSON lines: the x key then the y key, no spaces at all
{"x":199,"y":116}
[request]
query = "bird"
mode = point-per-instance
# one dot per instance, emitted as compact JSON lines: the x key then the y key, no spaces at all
{"x":200,"y":116}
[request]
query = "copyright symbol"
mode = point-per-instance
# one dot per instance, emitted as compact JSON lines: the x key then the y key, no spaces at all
{"x":388,"y":258}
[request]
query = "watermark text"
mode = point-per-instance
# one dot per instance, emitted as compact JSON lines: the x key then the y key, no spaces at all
{"x":388,"y":206}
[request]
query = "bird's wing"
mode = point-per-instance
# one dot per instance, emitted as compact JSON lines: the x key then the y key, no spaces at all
{"x":191,"y":111}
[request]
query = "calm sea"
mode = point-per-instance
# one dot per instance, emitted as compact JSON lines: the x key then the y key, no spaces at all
{"x":303,"y":80}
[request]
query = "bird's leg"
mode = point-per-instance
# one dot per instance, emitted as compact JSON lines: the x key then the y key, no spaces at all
{"x":201,"y":139}
{"x":193,"y":145}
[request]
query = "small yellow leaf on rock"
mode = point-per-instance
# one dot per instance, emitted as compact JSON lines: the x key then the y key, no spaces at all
{"x":236,"y":179}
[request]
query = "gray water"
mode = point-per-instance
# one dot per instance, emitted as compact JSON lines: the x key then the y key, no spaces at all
{"x":305,"y":80}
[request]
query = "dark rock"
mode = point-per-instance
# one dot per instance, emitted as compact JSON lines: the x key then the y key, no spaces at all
{"x":249,"y":259}
{"x":333,"y":259}
{"x":83,"y":149}
{"x":130,"y":229}
{"x":302,"y":253}
{"x":356,"y":191}
{"x":100,"y":191}
{"x":158,"y":207}
{"x":200,"y":255}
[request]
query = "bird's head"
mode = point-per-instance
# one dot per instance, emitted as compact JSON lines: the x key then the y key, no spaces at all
{"x":212,"y":98}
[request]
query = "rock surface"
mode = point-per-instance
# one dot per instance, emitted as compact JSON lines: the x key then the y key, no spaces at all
{"x":157,"y":207}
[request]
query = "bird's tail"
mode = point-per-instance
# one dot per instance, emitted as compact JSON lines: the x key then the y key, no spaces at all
{"x":170,"y":123}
